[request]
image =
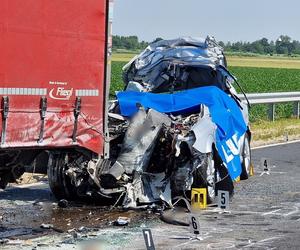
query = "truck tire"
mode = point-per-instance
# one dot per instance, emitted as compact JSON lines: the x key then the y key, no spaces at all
{"x":60,"y":184}
{"x":246,"y":159}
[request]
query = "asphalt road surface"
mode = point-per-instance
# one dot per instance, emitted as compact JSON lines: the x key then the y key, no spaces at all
{"x":263,"y":214}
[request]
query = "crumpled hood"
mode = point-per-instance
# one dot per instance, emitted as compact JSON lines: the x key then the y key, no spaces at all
{"x":150,"y":65}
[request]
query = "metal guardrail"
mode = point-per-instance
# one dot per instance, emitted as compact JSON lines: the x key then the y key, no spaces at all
{"x":274,"y":98}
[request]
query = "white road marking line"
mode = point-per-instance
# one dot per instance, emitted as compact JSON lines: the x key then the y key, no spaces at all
{"x":264,"y":241}
{"x":192,"y":240}
{"x":272,"y":212}
{"x":275,"y":145}
{"x":293,"y":212}
{"x":270,"y":172}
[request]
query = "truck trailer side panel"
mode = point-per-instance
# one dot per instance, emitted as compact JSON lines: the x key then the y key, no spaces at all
{"x":52,"y":73}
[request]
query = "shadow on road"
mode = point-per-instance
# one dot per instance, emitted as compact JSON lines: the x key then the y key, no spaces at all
{"x":36,"y":193}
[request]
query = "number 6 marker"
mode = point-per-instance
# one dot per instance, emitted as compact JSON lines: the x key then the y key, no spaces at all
{"x":194,"y":225}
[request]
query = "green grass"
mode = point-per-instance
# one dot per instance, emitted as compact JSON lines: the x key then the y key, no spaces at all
{"x":267,"y":79}
{"x":116,"y":77}
{"x":259,"y":80}
{"x":252,"y":80}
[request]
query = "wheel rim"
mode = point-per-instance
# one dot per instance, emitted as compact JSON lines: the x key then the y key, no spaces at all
{"x":210,"y":171}
{"x":247,"y":156}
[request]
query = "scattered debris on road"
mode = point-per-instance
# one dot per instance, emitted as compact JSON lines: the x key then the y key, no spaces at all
{"x":50,"y":226}
{"x":63,"y":203}
{"x":122,"y":221}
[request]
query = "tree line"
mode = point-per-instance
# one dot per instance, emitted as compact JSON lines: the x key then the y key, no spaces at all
{"x":128,"y":43}
{"x":284,"y":45}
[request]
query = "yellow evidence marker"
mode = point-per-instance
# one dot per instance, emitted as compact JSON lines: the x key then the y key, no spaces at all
{"x":199,"y":198}
{"x":251,"y":172}
{"x":238,"y":179}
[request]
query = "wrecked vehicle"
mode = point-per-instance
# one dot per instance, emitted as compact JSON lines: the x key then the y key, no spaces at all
{"x":177,"y":125}
{"x":188,"y":129}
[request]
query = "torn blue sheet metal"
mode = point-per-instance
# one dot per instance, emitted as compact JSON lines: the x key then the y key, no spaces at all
{"x":224,"y":111}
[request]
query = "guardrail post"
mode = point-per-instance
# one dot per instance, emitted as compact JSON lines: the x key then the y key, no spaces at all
{"x":297,"y":109}
{"x":272,"y":112}
{"x":271,"y":99}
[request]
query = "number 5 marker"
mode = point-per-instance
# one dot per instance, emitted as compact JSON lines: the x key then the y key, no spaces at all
{"x":223,"y":199}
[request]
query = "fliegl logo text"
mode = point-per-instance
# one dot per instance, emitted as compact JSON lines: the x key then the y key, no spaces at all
{"x":60,"y":91}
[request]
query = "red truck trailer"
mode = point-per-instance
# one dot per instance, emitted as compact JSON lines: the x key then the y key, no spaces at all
{"x":54,"y":83}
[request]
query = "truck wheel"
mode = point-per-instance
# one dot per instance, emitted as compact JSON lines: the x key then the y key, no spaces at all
{"x":60,"y":184}
{"x":246,"y":159}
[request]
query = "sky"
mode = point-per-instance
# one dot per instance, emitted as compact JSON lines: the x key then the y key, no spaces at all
{"x":226,"y":20}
